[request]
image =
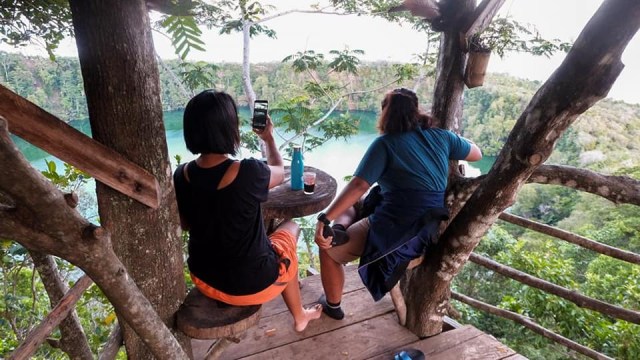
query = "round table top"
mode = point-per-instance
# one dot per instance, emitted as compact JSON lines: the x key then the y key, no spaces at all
{"x":284,"y":203}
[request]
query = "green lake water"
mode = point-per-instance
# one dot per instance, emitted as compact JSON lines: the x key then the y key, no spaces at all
{"x":339,"y":158}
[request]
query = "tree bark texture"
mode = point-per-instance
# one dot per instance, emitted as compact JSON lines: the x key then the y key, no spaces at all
{"x":35,"y":213}
{"x":121,"y":82}
{"x":618,"y":189}
{"x":73,"y":342}
{"x":448,"y":90}
{"x":585,"y":76}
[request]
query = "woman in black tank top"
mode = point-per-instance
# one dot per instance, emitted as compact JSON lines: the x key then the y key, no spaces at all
{"x":231,"y":258}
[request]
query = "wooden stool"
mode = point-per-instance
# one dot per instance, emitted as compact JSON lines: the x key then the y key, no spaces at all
{"x":398,"y":299}
{"x":200,"y":317}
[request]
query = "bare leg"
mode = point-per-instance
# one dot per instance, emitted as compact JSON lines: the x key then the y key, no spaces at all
{"x":332,"y":277}
{"x":332,"y":272}
{"x":301,"y":316}
{"x":291,"y":293}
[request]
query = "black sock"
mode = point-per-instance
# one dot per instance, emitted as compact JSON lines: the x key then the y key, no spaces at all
{"x":332,"y":310}
{"x":332,"y":305}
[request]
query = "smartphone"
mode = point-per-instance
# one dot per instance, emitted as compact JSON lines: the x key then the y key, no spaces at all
{"x":260,"y":108}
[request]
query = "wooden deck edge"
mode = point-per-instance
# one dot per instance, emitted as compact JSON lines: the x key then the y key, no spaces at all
{"x":450,"y":324}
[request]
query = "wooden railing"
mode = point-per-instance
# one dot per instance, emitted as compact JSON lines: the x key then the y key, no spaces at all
{"x":568,"y":294}
{"x":59,"y":312}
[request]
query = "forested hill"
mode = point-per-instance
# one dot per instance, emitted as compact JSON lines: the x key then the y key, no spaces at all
{"x":603,"y":139}
{"x":608,"y":132}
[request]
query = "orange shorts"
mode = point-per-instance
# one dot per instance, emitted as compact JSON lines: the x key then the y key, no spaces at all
{"x":285,"y":245}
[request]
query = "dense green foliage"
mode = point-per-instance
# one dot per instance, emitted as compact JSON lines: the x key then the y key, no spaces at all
{"x":603,"y":139}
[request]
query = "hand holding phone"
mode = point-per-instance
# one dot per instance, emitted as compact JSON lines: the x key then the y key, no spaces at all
{"x":260,"y":108}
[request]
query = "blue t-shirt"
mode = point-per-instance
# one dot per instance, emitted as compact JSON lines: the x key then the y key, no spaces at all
{"x":414,"y":160}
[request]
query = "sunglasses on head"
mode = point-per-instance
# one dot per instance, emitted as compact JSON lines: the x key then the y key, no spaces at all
{"x":403,"y":91}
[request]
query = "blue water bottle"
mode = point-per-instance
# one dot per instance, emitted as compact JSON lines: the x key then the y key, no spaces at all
{"x":297,"y":167}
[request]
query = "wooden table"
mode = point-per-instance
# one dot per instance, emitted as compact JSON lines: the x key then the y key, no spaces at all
{"x":284,"y":203}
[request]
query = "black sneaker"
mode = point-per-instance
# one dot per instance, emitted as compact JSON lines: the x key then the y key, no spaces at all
{"x":334,"y":312}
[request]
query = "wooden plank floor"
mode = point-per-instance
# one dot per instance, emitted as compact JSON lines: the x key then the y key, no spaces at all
{"x":370,"y":330}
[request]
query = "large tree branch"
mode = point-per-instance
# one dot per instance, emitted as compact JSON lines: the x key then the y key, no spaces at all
{"x":447,"y":93}
{"x":618,"y":189}
{"x":585,"y":76}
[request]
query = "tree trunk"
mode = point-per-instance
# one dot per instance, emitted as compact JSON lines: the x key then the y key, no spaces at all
{"x":449,"y":87}
{"x":121,"y":83}
{"x":585,"y":76}
{"x":246,"y":64}
{"x":447,"y":109}
{"x":73,"y":341}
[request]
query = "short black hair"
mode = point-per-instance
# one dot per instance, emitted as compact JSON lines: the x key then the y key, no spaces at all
{"x":211,"y":124}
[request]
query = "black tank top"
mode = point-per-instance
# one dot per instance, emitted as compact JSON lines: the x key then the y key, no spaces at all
{"x":228,"y":246}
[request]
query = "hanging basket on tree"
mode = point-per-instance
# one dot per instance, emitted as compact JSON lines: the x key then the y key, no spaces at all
{"x":477,"y":62}
{"x":476,"y":67}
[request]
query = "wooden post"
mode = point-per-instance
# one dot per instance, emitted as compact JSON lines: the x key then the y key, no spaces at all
{"x":53,"y":135}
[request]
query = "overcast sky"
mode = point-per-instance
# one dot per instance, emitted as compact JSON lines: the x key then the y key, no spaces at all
{"x":380,"y":40}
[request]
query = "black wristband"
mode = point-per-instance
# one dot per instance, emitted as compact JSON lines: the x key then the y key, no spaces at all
{"x":323,"y":218}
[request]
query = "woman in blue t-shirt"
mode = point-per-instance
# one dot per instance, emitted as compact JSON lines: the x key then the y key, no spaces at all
{"x":399,"y":218}
{"x":231,"y":258}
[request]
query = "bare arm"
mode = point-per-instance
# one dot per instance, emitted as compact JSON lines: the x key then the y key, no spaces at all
{"x":348,"y":197}
{"x":475,"y":153}
{"x":274,"y":160}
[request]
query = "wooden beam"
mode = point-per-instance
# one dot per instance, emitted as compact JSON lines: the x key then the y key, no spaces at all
{"x":480,"y":18}
{"x":37,"y":336}
{"x":551,"y":288}
{"x":572,"y":238}
{"x":53,"y":135}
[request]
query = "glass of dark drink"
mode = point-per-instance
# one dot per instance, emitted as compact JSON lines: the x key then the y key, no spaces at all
{"x":309,"y":179}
